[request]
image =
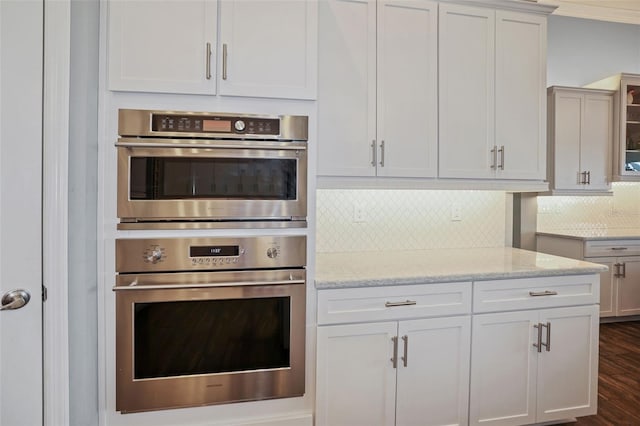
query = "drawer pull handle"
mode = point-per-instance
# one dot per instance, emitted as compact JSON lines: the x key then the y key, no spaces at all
{"x":619,"y":248}
{"x":405,"y":303}
{"x":543,"y":293}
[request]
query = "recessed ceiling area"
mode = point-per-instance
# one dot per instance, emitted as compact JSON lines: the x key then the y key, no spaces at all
{"x":624,"y":11}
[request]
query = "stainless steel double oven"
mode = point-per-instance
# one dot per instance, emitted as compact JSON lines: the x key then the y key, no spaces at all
{"x":210,"y":317}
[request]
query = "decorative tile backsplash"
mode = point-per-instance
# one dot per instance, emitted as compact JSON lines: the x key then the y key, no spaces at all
{"x":378,"y":220}
{"x":622,"y":210}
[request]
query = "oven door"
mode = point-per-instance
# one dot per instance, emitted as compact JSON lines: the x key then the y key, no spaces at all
{"x":190,"y":339}
{"x":194,"y":180}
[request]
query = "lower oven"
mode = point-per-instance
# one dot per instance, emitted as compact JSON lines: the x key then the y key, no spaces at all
{"x":209,"y":320}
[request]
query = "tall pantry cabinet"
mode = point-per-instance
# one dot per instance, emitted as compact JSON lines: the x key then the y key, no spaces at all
{"x":377,"y":88}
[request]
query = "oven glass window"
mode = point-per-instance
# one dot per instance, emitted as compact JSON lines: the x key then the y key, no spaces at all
{"x":166,"y":178}
{"x":210,"y":336}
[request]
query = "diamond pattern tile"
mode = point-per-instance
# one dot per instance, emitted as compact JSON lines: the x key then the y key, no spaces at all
{"x":622,"y":210}
{"x":408,"y":220}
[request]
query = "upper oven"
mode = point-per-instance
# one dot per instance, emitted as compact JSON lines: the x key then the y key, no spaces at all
{"x":196,"y":169}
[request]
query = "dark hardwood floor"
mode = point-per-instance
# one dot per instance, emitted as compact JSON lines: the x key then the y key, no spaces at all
{"x":619,"y":377}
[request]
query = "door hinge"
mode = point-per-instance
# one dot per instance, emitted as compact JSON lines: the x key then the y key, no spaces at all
{"x":44,"y":293}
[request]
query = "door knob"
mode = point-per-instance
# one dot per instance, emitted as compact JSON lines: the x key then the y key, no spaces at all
{"x":14,"y":299}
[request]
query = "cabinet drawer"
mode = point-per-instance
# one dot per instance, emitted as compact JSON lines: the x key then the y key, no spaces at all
{"x":532,"y":293}
{"x":394,"y":302}
{"x":612,"y":248}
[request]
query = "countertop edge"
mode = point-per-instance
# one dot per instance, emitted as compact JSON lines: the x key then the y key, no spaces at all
{"x":588,"y":237}
{"x":434,"y":279}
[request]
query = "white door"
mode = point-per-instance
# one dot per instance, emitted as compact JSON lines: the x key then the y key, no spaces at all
{"x":628,"y":288}
{"x":568,"y":363}
{"x":356,"y":380}
{"x":433,"y":372}
{"x":597,"y":139}
{"x":20,"y":210}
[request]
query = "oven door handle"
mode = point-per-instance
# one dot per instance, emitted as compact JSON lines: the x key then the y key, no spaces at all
{"x":239,"y":145}
{"x":134,"y":285}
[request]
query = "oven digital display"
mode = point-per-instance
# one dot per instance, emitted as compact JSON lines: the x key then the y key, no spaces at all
{"x":212,"y":251}
{"x":216,"y":125}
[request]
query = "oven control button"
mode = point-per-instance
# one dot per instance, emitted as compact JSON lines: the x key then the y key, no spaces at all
{"x":272,"y":252}
{"x":154,"y":256}
{"x":239,"y":125}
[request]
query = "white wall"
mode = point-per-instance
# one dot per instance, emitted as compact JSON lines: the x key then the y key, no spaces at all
{"x":582,"y":51}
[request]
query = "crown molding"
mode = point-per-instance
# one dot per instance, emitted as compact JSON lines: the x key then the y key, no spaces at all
{"x":589,"y":11}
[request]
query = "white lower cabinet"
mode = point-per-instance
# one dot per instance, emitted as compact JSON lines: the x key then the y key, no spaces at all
{"x":396,"y":355}
{"x":534,"y":366}
{"x":394,"y":373}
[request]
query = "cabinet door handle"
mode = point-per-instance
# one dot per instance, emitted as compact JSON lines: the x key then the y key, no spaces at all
{"x":548,"y":344}
{"x":583,"y":178}
{"x":405,"y":358}
{"x":382,"y":153}
{"x":543,"y":293}
{"x":208,"y":56}
{"x":494,"y":155}
{"x":394,"y":358}
{"x":539,"y":340}
{"x":405,"y":303}
{"x":501,"y":151}
{"x":374,"y":154}
{"x":624,"y":269}
{"x":589,"y":178}
{"x":224,"y":61}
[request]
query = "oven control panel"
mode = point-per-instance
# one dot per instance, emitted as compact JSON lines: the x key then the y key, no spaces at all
{"x":185,"y":254}
{"x":240,"y":125}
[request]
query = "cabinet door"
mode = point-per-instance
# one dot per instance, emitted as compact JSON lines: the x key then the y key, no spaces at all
{"x":608,"y":287}
{"x":568,"y":365}
{"x":597,"y":136}
{"x":567,"y":131}
{"x":433,"y":386}
{"x":521,"y":105}
{"x":162,"y":46}
{"x":629,"y":286}
{"x":407,"y":100}
{"x":466,"y":91}
{"x":347,"y":88}
{"x":503,"y":369}
{"x":356,"y":380}
{"x":268,"y":48}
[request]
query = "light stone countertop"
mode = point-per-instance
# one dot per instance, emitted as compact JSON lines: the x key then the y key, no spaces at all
{"x":370,"y":269}
{"x":595,"y":234}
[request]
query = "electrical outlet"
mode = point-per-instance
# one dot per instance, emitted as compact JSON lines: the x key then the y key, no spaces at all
{"x":358,"y":213}
{"x":456,"y":212}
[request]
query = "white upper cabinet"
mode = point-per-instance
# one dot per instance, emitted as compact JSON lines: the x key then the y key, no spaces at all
{"x":266,"y":48}
{"x":162,"y":46}
{"x":580,"y":140}
{"x":492,"y":93}
{"x":377,"y":102}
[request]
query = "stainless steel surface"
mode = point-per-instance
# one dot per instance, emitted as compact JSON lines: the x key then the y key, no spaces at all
{"x":394,"y":358}
{"x":405,"y":358}
{"x":208,"y":61}
{"x":538,"y":345}
{"x":14,"y":299}
{"x":165,"y":136}
{"x":382,"y":154}
{"x":404,"y":303}
{"x":138,"y":123}
{"x":543,"y":293}
{"x":374,"y":153}
{"x":501,"y":151}
{"x":208,"y":269}
{"x":224,"y":61}
{"x":548,"y":344}
{"x":253,"y":253}
{"x":256,"y":224}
